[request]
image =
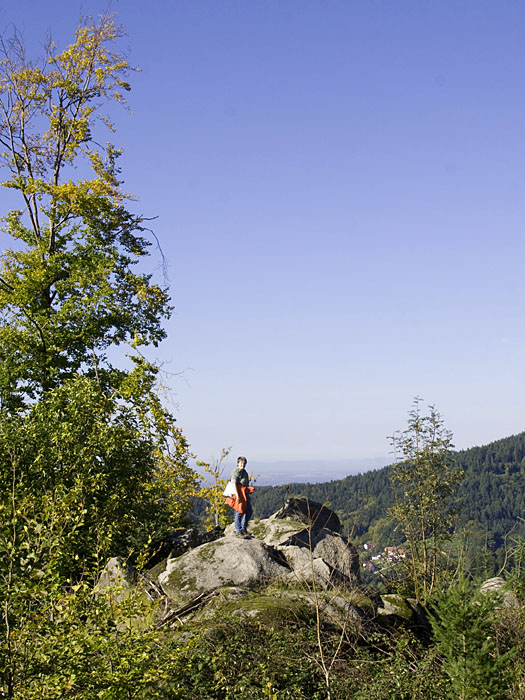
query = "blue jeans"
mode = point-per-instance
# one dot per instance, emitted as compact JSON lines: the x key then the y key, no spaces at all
{"x":241,"y":519}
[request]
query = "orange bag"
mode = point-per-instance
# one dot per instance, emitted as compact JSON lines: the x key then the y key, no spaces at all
{"x":239,"y":504}
{"x":234,"y":503}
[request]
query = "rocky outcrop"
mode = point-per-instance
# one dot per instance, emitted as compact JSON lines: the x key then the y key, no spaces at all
{"x":310,"y":513}
{"x":301,"y":532}
{"x":295,"y":545}
{"x":205,"y":575}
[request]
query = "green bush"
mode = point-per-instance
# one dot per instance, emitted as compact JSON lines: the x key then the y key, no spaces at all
{"x":464,"y":627}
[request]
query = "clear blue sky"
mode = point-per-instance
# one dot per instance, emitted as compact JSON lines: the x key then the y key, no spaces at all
{"x":339,"y":186}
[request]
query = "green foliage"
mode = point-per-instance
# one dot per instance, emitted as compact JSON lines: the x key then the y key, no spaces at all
{"x":91,"y":463}
{"x":424,"y":481}
{"x":69,"y":294}
{"x":72,"y":643}
{"x":398,"y":666}
{"x":510,"y":634}
{"x":128,"y":467}
{"x":463,"y":624}
{"x":68,"y":290}
{"x":240,"y":658}
{"x":218,"y":514}
{"x":517,"y":564}
{"x":33,"y":537}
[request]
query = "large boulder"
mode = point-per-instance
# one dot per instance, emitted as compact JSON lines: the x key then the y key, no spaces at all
{"x":306,"y":568}
{"x":275,"y":531}
{"x":229,"y":561}
{"x":322,"y":555}
{"x":336,"y":551}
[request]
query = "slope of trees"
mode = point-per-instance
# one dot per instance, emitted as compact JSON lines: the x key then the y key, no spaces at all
{"x":491,"y":498}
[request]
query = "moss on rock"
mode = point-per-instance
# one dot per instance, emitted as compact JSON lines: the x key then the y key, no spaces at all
{"x":395,"y":604}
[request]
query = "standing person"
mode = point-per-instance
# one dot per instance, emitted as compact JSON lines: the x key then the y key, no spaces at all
{"x":243,"y":509}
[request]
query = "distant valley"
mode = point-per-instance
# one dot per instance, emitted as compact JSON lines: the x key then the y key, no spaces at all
{"x":491,"y":501}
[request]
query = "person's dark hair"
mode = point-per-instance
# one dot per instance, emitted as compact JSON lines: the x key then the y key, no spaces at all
{"x":243,"y":460}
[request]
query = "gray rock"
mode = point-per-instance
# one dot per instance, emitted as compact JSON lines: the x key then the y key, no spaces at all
{"x":298,"y":559}
{"x":496,"y":585}
{"x":228,"y":561}
{"x":333,"y":560}
{"x":492,"y":585}
{"x":396,"y":605}
{"x":340,"y":611}
{"x":326,"y":558}
{"x":306,"y":569}
{"x":277,"y":531}
{"x":398,"y":610}
{"x":284,"y":547}
{"x":310,"y":513}
{"x":338,"y":553}
{"x":116,"y":578}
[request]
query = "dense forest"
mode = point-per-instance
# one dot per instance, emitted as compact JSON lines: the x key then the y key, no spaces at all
{"x":491,"y":499}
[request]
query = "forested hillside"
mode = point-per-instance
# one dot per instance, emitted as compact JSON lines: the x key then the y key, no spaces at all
{"x":491,"y":498}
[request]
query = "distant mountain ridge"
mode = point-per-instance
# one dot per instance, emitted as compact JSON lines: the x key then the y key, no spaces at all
{"x":491,"y":495}
{"x":310,"y":471}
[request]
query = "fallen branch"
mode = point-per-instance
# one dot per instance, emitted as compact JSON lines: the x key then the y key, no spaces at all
{"x":194,"y":604}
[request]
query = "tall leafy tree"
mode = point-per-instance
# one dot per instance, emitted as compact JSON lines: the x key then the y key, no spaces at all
{"x":68,"y":290}
{"x":71,"y":292}
{"x":91,"y":463}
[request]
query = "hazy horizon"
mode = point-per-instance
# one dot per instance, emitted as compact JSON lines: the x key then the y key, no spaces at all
{"x":313,"y":471}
